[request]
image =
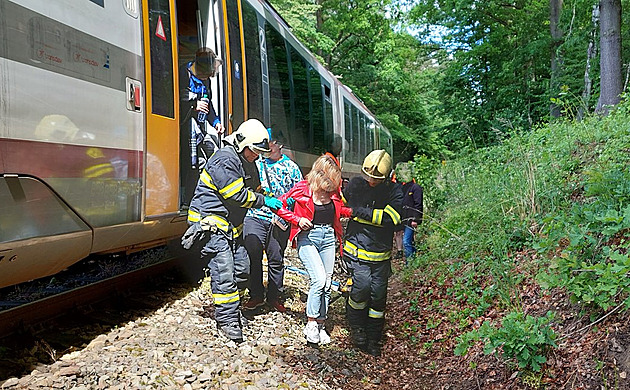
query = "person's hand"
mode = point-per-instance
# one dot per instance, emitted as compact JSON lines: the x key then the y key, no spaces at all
{"x":290,"y":203}
{"x":202,"y":106}
{"x":194,"y":233}
{"x":273,"y":203}
{"x":305,"y":224}
{"x":414,"y":224}
{"x":220,"y":128}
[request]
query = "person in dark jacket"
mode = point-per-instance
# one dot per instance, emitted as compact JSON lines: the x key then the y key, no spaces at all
{"x":216,"y":215}
{"x":198,"y":138}
{"x":412,"y":208}
{"x":376,"y":203}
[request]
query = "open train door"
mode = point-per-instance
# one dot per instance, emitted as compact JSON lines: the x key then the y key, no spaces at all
{"x":198,"y":25}
{"x":162,"y":117}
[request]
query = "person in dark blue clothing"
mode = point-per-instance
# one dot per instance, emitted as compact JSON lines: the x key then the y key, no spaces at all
{"x":201,"y":126}
{"x":412,"y":215}
{"x":216,"y":215}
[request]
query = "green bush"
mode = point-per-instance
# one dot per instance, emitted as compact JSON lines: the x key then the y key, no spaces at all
{"x":563,"y":189}
{"x":524,"y":338}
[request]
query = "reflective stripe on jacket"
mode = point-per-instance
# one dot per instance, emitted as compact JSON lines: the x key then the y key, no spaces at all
{"x":222,"y":191}
{"x":377,"y":212}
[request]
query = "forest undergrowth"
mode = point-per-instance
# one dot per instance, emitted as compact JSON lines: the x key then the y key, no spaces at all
{"x":521,"y":279}
{"x":522,"y":273}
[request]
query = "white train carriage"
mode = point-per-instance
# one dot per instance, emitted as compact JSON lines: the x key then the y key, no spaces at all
{"x":89,"y":117}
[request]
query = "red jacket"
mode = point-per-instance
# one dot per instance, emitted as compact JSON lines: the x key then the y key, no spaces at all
{"x":305,"y":208}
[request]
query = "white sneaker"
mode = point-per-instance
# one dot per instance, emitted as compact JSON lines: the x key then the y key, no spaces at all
{"x":324,"y":338}
{"x":311,"y":331}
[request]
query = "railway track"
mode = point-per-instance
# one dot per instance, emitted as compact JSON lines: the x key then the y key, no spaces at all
{"x":30,"y":317}
{"x":39,"y":332}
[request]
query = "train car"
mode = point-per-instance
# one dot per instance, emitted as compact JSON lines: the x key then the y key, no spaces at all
{"x":90,"y":117}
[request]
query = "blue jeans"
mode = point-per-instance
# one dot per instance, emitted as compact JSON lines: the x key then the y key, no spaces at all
{"x":410,"y":249}
{"x":316,"y":249}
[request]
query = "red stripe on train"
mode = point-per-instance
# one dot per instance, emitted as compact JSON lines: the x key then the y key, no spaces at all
{"x":52,"y":160}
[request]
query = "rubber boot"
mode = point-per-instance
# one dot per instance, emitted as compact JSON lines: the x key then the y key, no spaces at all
{"x":232,"y":331}
{"x":243,"y":321}
{"x":359,"y":338}
{"x":374,"y":348}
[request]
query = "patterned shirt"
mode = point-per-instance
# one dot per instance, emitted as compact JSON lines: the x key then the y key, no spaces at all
{"x":283,"y":175}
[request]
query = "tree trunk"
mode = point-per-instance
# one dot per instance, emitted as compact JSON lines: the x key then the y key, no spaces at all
{"x":555,"y":9}
{"x":591,"y":53}
{"x":319,"y":19}
{"x":611,"y":82}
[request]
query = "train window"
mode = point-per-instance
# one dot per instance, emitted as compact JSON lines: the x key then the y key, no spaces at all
{"x":162,"y":83}
{"x":302,"y":135}
{"x":252,"y":60}
{"x":326,"y":92}
{"x":370,"y":137}
{"x":236,"y":68}
{"x":328,"y":120}
{"x":369,"y":130}
{"x":317,"y":117}
{"x":30,"y":209}
{"x":347,"y":126}
{"x":369,"y":127}
{"x":384,"y":141}
{"x":279,"y":84}
{"x":365,"y":141}
{"x":356,"y":137}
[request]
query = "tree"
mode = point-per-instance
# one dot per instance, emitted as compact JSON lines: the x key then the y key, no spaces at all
{"x":611,"y":84}
{"x":555,"y":9}
{"x":386,"y":67}
{"x":496,"y":77}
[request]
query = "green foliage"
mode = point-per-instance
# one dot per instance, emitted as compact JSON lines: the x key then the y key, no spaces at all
{"x":563,"y":189}
{"x":494,"y":79}
{"x":385,"y":66}
{"x":302,"y":17}
{"x":524,"y":338}
{"x":589,"y":240}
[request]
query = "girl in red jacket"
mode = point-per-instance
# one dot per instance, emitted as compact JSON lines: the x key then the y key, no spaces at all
{"x":314,"y":227}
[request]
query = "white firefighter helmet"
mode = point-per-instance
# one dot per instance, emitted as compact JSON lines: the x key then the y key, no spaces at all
{"x":253,"y":134}
{"x":377,"y":164}
{"x":56,"y":128}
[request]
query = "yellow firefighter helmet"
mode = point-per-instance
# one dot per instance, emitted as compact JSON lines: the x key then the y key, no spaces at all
{"x":377,"y":164}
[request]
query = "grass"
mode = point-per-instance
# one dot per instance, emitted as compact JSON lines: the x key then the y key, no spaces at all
{"x":561,"y":191}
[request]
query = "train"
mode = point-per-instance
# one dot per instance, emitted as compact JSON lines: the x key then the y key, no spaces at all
{"x":90,"y":119}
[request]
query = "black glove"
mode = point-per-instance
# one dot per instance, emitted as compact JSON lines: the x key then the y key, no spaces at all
{"x":191,"y":235}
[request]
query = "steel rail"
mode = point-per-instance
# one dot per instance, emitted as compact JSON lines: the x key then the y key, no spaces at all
{"x":35,"y":313}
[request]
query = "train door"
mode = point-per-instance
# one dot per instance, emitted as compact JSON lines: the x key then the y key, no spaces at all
{"x":235,"y":63}
{"x":198,"y":25}
{"x":162,"y":123}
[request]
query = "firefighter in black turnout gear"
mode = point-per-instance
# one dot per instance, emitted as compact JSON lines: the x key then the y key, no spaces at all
{"x":376,"y":203}
{"x":216,"y":215}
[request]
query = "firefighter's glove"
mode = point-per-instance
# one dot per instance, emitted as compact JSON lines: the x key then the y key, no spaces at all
{"x":273,"y":203}
{"x":290,"y":203}
{"x":193,"y":234}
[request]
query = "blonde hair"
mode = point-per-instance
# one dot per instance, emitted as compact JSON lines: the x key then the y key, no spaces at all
{"x":325,"y":175}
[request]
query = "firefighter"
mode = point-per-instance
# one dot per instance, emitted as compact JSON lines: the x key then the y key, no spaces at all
{"x":376,"y":203}
{"x":216,"y":214}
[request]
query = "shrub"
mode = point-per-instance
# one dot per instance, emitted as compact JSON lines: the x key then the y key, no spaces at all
{"x":524,"y":338}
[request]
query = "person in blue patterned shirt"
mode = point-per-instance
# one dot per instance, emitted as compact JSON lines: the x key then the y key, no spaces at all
{"x":265,"y":232}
